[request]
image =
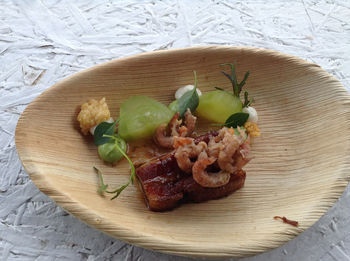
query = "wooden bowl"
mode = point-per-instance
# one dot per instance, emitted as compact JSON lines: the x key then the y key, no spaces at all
{"x":301,"y":163}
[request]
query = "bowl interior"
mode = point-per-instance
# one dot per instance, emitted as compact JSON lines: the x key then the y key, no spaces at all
{"x":300,"y":165}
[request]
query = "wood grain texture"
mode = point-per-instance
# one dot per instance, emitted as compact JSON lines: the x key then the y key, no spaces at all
{"x":301,"y":163}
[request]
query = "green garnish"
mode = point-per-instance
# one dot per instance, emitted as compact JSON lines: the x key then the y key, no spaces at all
{"x":237,"y":87}
{"x":109,"y":151}
{"x":236,"y":120}
{"x":238,"y":133}
{"x":104,"y":128}
{"x":247,"y":101}
{"x":174,"y":106}
{"x":221,"y":89}
{"x":103,"y":187}
{"x":190,"y":99}
{"x":140,"y":116}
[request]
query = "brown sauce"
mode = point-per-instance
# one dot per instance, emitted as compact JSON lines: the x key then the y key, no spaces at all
{"x":287,"y":221}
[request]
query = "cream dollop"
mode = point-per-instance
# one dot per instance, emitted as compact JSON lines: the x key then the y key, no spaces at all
{"x":182,"y":90}
{"x":253,"y":115}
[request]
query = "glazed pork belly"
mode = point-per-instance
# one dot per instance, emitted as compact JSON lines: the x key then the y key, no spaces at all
{"x":166,"y":186}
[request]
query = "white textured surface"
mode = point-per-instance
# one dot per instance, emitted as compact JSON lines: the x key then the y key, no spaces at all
{"x":42,"y":42}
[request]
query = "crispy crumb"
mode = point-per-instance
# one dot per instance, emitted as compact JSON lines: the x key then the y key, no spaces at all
{"x":252,"y":129}
{"x":92,"y":113}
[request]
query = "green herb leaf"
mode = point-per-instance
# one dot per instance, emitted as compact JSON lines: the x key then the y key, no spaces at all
{"x":104,"y":128}
{"x":120,"y":190}
{"x":227,"y":75}
{"x":189,"y":100}
{"x":237,"y":119}
{"x":237,"y":87}
{"x":220,"y":89}
{"x":223,"y":90}
{"x":247,"y":101}
{"x":103,"y":187}
{"x":244,"y":79}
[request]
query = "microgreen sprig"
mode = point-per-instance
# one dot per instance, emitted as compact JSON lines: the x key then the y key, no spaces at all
{"x":221,"y":89}
{"x":247,"y":101}
{"x":103,"y":187}
{"x":237,"y":87}
{"x":236,"y":119}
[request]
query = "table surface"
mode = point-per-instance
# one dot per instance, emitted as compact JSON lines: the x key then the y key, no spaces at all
{"x":42,"y":42}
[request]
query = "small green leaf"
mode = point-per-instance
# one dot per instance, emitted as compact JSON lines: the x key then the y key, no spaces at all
{"x":237,"y":119}
{"x":104,"y":128}
{"x":189,"y":100}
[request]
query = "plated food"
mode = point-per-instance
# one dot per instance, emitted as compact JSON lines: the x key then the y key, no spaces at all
{"x":194,"y":168}
{"x":299,"y":168}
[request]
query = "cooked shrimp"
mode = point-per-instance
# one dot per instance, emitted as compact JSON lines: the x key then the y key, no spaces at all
{"x":215,"y":144}
{"x":205,"y":178}
{"x":181,"y":141}
{"x":243,"y":156}
{"x":174,"y":124}
{"x":164,"y":135}
{"x":183,"y":131}
{"x":186,"y":153}
{"x":223,"y":147}
{"x":244,"y":150}
{"x":241,"y":162}
{"x":241,"y":132}
{"x":161,"y":138}
{"x":230,"y":143}
{"x":214,"y":147}
{"x":186,"y":129}
{"x":190,"y":122}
